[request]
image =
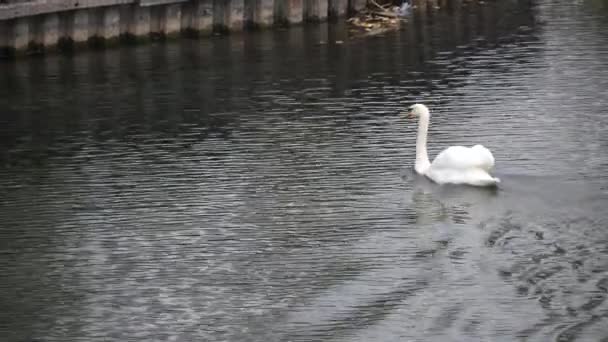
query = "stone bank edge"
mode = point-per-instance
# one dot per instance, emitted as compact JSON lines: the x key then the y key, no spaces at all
{"x":39,"y":26}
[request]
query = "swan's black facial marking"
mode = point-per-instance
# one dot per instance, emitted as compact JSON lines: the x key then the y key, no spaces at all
{"x":410,"y":111}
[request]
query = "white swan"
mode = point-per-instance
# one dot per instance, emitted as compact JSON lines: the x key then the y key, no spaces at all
{"x":454,"y":165}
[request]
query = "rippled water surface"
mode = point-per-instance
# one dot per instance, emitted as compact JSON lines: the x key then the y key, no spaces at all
{"x":258,"y":187}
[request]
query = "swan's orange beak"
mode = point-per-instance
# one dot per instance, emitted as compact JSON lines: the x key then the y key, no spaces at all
{"x":410,"y":114}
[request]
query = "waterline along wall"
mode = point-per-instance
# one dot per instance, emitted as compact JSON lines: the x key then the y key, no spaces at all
{"x":30,"y":26}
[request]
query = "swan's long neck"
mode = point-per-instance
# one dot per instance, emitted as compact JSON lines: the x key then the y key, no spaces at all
{"x":422,"y":158}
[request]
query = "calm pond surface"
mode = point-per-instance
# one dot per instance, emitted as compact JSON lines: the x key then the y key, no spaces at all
{"x":258,"y":187}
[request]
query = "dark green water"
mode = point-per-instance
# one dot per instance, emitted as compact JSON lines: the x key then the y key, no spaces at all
{"x":258,"y":187}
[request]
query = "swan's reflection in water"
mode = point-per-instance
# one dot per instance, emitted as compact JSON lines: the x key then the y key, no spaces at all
{"x":454,"y":203}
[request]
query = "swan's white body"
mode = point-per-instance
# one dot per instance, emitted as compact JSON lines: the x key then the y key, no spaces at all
{"x":454,"y":165}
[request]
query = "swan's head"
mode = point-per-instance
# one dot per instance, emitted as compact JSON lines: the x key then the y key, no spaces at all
{"x":417,"y":110}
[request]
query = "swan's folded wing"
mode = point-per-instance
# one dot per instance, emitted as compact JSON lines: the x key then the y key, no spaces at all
{"x":486,"y":159}
{"x":460,"y":157}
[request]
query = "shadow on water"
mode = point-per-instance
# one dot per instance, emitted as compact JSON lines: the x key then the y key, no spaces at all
{"x":257,"y":187}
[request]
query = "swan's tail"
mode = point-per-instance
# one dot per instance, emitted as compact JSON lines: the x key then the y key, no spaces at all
{"x":482,"y":178}
{"x":491,"y":181}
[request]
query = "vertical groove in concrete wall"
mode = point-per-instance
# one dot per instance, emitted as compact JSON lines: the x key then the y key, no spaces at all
{"x":126,"y":16}
{"x":35,"y":32}
{"x":3,"y":35}
{"x":228,"y":15}
{"x":279,"y":12}
{"x":315,"y":10}
{"x":249,"y":14}
{"x":65,"y":28}
{"x":220,"y":17}
{"x":337,"y":8}
{"x":21,"y":33}
{"x":186,"y":16}
{"x":96,"y":25}
{"x":50,"y":29}
{"x":156,"y":26}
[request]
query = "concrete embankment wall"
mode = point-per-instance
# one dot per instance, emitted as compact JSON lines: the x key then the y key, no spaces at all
{"x":34,"y":26}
